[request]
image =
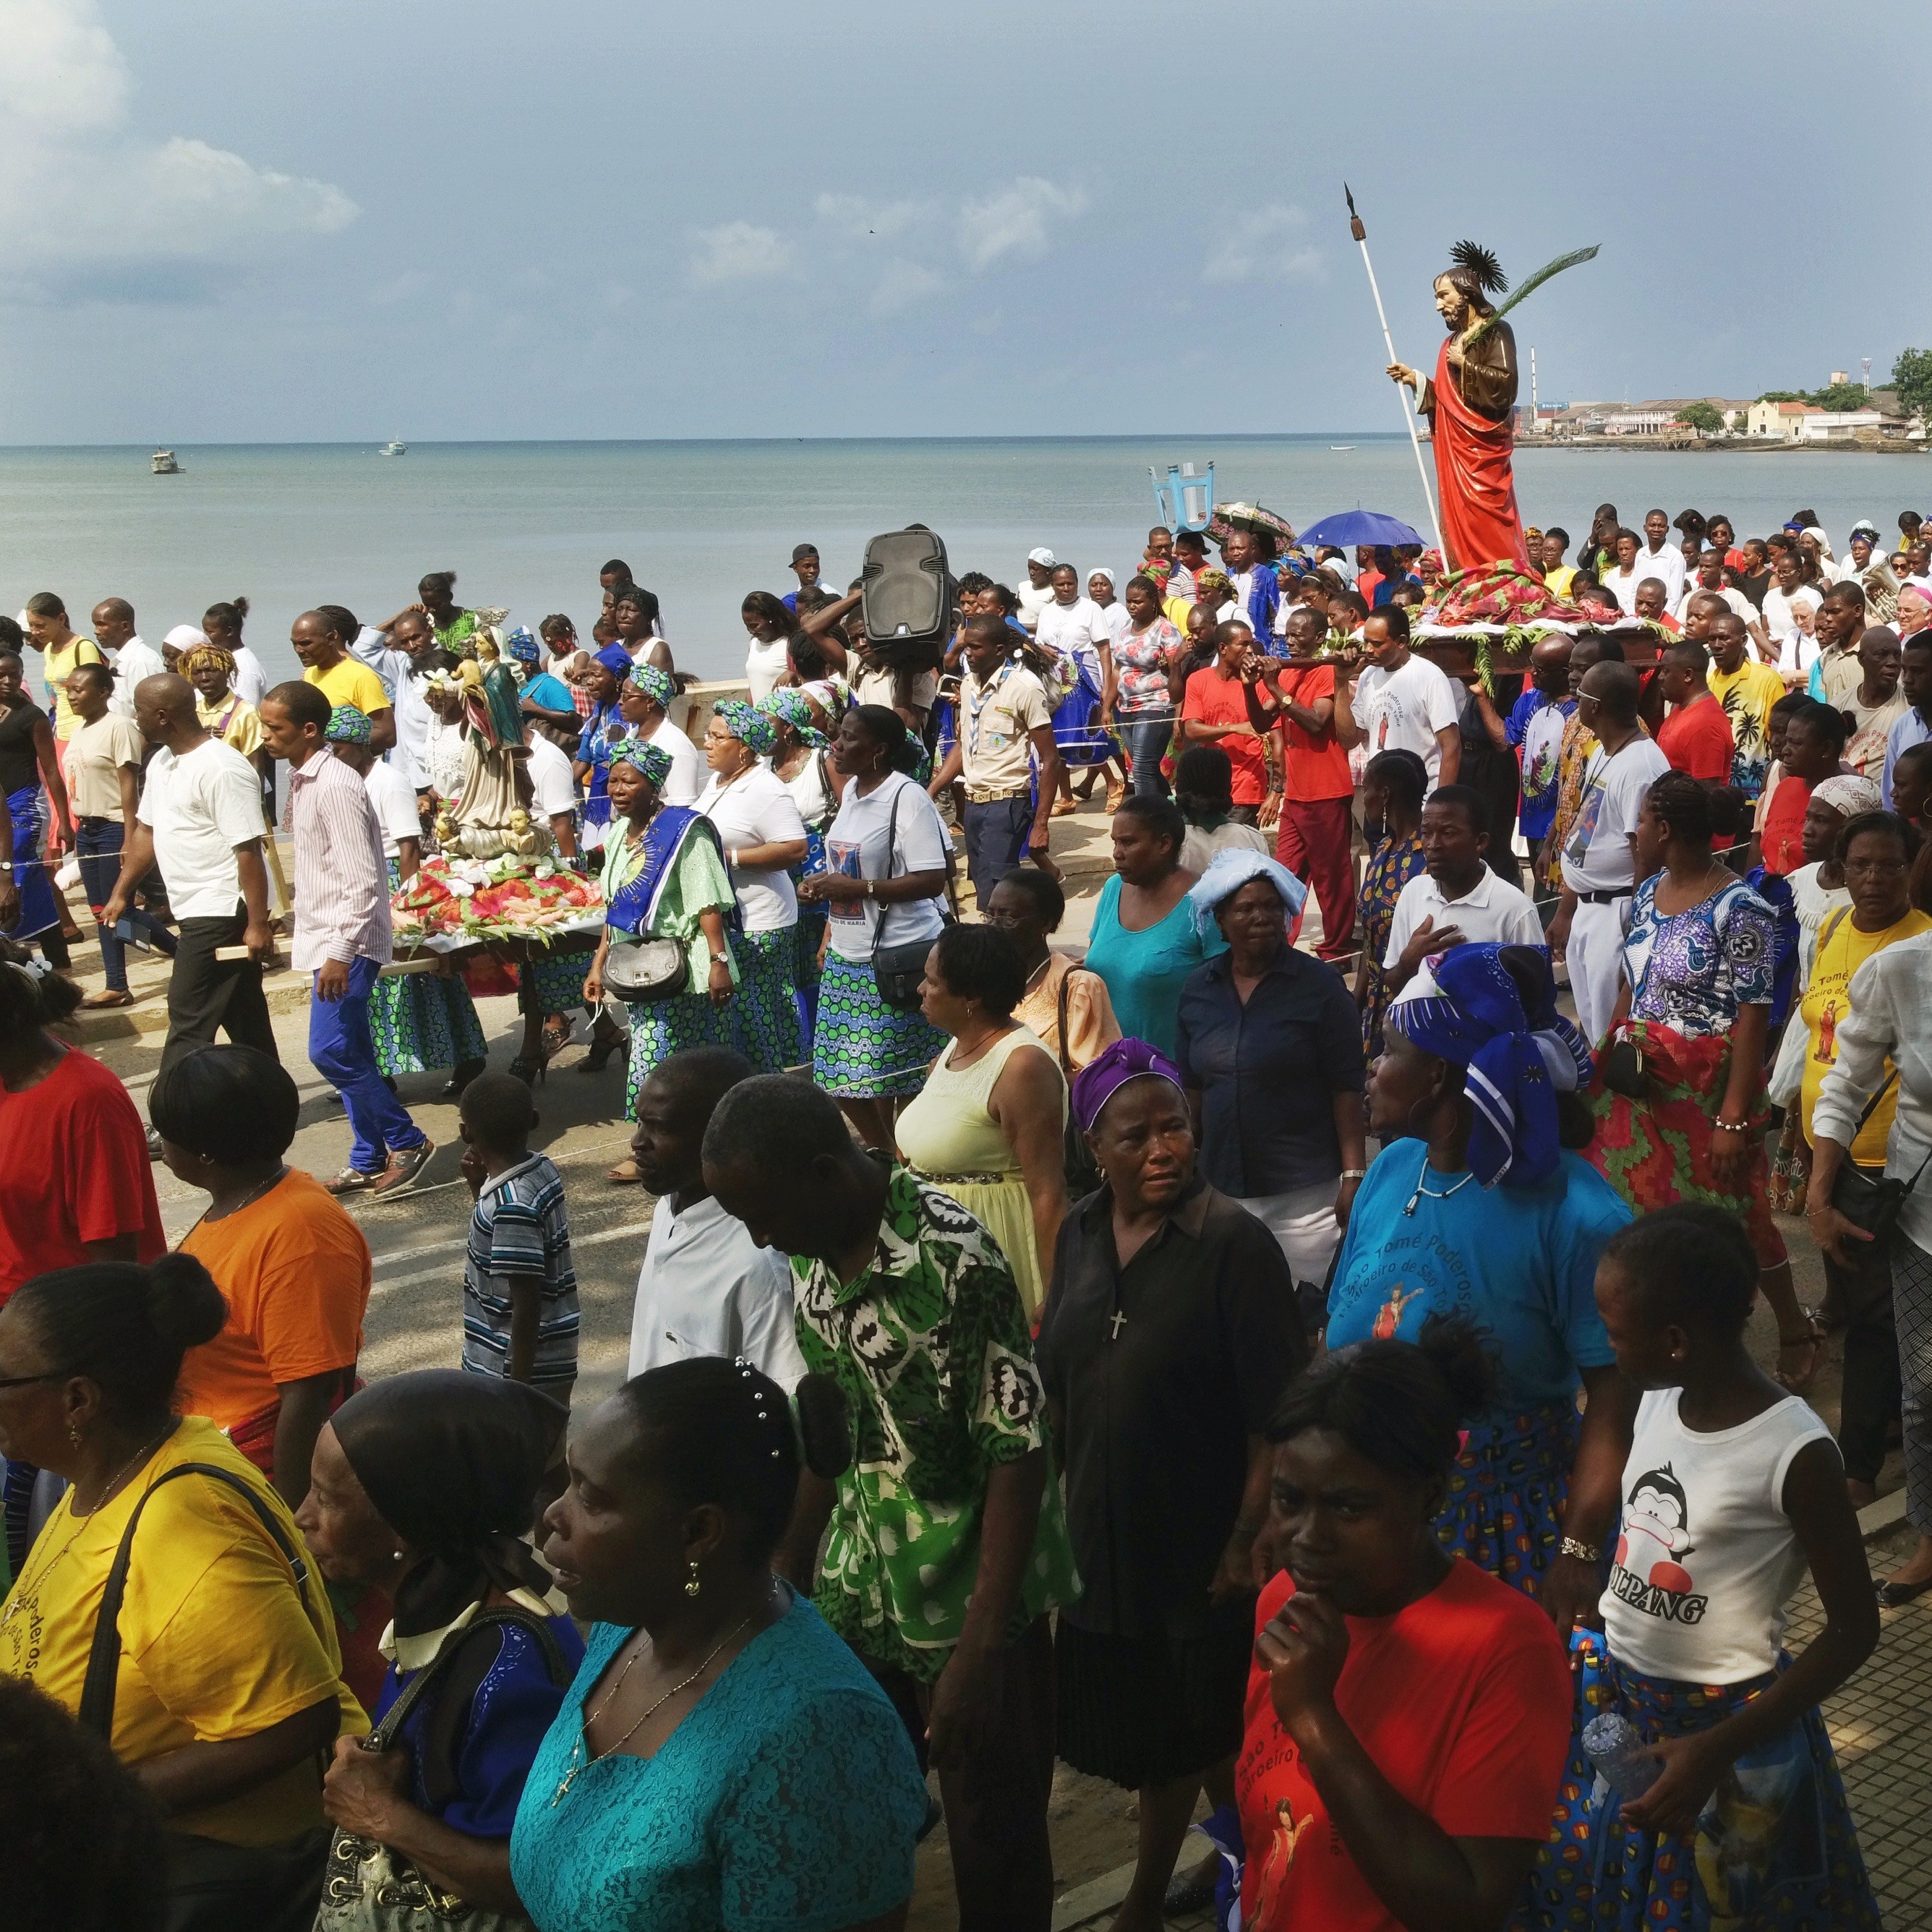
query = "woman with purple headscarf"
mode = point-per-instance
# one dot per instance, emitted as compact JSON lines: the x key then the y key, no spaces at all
{"x":1169,"y":1335}
{"x":1478,"y":1205}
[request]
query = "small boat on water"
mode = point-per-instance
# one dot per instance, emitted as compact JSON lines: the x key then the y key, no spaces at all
{"x":1339,"y":447}
{"x":163,"y":463}
{"x":395,"y":447}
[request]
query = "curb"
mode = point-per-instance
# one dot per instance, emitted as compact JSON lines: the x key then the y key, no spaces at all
{"x":285,"y":992}
{"x":1882,"y":1517}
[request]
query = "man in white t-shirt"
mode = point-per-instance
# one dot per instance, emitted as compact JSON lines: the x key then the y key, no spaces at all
{"x":1599,"y":854}
{"x":1401,"y":702}
{"x":553,"y":787}
{"x":1036,"y":593}
{"x":705,"y":1287}
{"x":132,"y":657}
{"x":200,"y":820}
{"x":1658,"y":555}
{"x":1456,"y":899}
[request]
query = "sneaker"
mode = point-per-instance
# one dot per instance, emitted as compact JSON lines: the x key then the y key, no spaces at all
{"x":354,"y":1180}
{"x":403,"y":1172}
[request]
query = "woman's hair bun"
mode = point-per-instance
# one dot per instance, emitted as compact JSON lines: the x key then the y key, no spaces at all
{"x":1464,"y":1357}
{"x":185,"y":1309}
{"x":824,"y":1425}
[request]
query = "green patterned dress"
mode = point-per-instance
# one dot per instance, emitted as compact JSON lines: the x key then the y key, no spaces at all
{"x":931,"y":1347}
{"x":421,"y":1020}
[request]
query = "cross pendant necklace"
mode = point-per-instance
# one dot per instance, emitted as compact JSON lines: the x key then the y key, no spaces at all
{"x":1120,"y":1322}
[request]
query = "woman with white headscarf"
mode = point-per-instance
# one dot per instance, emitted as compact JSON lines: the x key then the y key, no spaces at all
{"x":1270,"y":1058}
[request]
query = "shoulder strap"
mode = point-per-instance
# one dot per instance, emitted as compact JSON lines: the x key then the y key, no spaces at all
{"x":450,"y":1650}
{"x":104,"y":1658}
{"x":892,"y":834}
{"x":1840,"y":914}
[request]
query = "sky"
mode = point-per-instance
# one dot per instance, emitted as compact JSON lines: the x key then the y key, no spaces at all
{"x":224,"y":221}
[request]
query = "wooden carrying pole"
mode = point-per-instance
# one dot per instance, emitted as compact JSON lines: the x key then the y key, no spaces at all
{"x":1361,"y":234}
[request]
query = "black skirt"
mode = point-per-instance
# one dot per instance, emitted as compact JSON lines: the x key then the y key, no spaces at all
{"x":1139,"y":1711}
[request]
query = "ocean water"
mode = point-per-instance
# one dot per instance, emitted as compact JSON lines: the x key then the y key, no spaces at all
{"x":527,"y":525}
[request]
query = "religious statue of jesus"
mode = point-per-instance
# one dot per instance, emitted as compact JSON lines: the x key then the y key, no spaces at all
{"x":1470,"y":404}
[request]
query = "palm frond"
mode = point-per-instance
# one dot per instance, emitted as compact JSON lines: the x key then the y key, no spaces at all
{"x":1535,"y":281}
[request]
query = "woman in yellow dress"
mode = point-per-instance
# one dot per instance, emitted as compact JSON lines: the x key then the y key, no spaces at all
{"x":988,"y":1127}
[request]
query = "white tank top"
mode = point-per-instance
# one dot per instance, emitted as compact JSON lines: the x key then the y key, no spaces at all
{"x":1706,"y":1559}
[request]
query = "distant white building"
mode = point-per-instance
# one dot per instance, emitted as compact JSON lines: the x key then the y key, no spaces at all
{"x":1849,"y":426}
{"x":1781,"y":420}
{"x":1645,"y":419}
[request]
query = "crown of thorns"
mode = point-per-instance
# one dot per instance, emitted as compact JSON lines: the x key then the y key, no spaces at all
{"x":1480,"y":263}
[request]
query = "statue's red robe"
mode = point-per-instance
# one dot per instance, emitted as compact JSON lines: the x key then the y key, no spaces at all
{"x":1480,"y":524}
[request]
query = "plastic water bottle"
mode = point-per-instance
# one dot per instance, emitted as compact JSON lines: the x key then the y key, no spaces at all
{"x":1623,"y":1761}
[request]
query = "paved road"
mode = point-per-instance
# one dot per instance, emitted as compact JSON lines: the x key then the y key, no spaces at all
{"x":416,"y":1313}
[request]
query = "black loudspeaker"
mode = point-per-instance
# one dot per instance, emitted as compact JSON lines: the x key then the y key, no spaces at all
{"x":906,"y":594}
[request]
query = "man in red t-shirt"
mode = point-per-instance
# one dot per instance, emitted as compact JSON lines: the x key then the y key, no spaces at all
{"x":1695,"y":736}
{"x":1214,"y":711}
{"x":1318,"y":788}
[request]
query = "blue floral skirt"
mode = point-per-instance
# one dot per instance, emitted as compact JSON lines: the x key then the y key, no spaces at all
{"x":1507,"y":1491}
{"x":32,"y":819}
{"x":1775,"y":1849}
{"x":765,"y":1008}
{"x":861,"y":1048}
{"x":661,"y":1028}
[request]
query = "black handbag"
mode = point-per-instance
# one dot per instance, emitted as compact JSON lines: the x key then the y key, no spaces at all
{"x":898,"y":971}
{"x":1872,"y":1200}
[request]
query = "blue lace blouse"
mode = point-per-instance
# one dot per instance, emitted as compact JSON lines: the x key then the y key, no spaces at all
{"x":788,"y":1797}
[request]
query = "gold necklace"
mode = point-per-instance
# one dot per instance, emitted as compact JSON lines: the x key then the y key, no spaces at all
{"x":20,"y":1589}
{"x":580,"y":1760}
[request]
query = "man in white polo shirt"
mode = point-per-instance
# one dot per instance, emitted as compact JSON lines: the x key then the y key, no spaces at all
{"x":1455,"y":900}
{"x":1600,"y":853}
{"x":706,"y":1288}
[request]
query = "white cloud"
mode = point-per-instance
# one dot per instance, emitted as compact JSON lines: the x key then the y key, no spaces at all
{"x":853,"y":216}
{"x":1258,"y":245}
{"x":1014,"y":221}
{"x":903,"y":285}
{"x":739,"y":251}
{"x":85,"y":207}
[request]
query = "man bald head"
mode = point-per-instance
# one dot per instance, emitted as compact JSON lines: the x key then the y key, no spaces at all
{"x":413,"y":634}
{"x":1725,"y":639}
{"x":317,"y":640}
{"x":1614,"y":689}
{"x":164,"y":712}
{"x":113,"y":621}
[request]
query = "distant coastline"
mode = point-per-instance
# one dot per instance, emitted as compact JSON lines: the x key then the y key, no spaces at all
{"x":1665,"y":446}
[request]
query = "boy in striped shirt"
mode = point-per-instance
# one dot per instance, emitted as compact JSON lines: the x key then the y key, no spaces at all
{"x":519,"y":1315}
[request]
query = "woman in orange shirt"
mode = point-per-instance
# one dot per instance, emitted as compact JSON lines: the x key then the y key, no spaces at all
{"x":294,"y":1267}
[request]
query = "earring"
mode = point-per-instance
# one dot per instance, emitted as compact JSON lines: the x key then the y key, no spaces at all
{"x":692,"y":1587}
{"x":74,"y":1434}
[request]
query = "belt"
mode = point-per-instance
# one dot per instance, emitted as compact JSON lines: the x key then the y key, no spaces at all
{"x":942,"y":1181}
{"x":995,"y":797}
{"x":97,"y":818}
{"x":1604,"y":898}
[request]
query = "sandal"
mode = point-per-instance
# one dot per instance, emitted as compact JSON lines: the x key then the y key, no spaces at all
{"x":1814,"y":1338}
{"x":108,"y":996}
{"x":625,"y":1175}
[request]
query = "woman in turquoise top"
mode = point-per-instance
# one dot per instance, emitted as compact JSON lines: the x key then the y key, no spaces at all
{"x":722,"y":1761}
{"x":1144,"y":944}
{"x":665,"y":878}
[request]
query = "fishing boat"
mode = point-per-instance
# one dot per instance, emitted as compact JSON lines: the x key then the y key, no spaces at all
{"x":395,"y":447}
{"x":1339,"y":447}
{"x":163,"y":463}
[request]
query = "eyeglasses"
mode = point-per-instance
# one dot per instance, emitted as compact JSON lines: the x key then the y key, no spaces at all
{"x":27,"y":1381}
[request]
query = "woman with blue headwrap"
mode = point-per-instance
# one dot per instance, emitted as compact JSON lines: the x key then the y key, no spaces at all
{"x":544,"y":698}
{"x":758,"y":825}
{"x":1477,"y":1206}
{"x":801,"y":757}
{"x":1271,"y":1057}
{"x":604,"y":678}
{"x":417,"y":1021}
{"x":665,"y":878}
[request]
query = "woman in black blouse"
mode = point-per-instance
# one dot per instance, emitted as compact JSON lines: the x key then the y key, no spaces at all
{"x":1168,"y":1334}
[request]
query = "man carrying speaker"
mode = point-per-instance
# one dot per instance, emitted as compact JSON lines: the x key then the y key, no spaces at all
{"x":1005,"y":726}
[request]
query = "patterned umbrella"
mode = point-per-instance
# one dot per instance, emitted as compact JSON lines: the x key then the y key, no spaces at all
{"x":1250,"y":517}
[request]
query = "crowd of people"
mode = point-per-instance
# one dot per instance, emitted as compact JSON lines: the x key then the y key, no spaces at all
{"x":1296,"y":1352}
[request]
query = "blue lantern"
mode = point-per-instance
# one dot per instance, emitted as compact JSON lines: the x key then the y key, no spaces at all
{"x":1185,"y":501}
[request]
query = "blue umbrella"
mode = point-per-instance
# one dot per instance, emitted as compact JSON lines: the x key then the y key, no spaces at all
{"x":1347,"y":528}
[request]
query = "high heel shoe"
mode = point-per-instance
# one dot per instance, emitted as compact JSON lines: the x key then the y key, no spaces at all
{"x":531,"y":1072}
{"x":467,"y":1070}
{"x":599,"y":1057}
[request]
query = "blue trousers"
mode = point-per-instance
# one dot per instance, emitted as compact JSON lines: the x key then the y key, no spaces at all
{"x":341,"y":1050}
{"x":1146,"y":740}
{"x":98,"y":842}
